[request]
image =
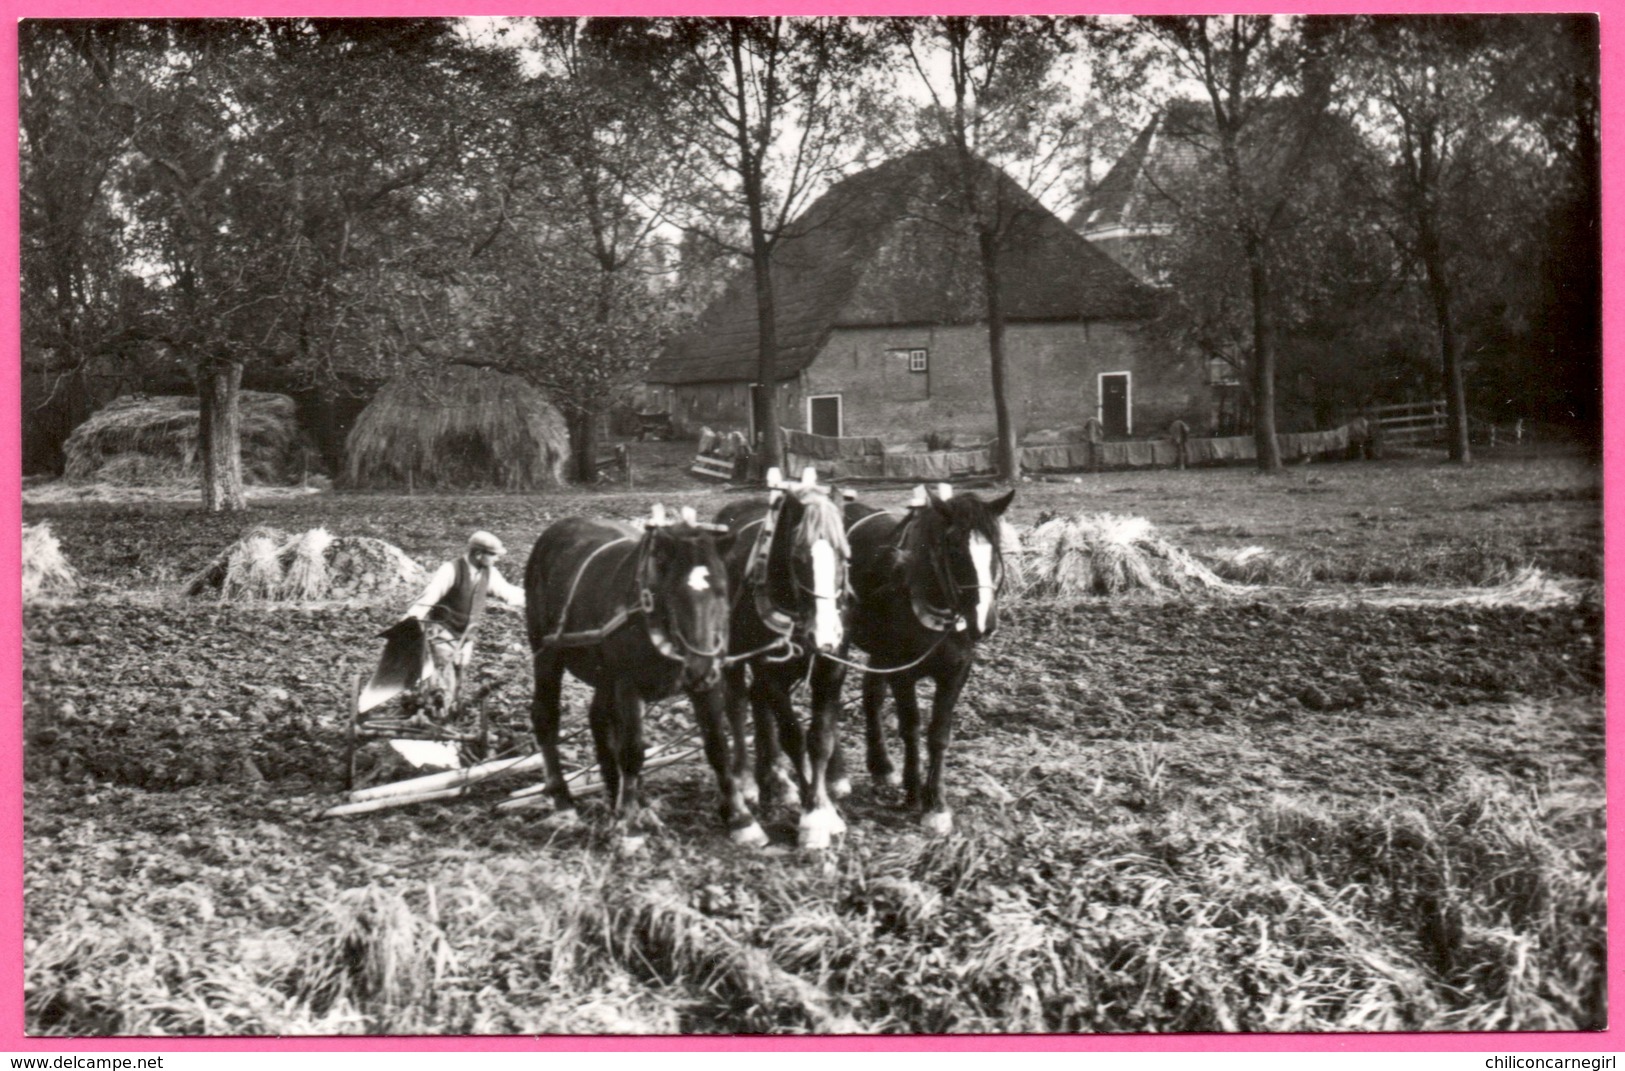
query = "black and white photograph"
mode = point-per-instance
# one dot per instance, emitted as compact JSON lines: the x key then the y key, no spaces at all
{"x":823,"y":524}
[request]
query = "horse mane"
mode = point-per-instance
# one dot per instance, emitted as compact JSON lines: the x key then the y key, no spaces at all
{"x":965,"y":512}
{"x":971,"y":513}
{"x":822,"y":519}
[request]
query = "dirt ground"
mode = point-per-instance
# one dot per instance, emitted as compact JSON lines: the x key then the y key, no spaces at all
{"x":182,"y":747}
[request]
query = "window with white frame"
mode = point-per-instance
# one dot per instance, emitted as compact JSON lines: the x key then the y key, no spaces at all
{"x":915,"y":360}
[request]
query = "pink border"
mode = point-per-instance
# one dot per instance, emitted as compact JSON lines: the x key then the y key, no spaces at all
{"x":11,"y":818}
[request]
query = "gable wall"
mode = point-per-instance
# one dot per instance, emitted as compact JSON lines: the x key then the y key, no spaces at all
{"x":1054,"y":370}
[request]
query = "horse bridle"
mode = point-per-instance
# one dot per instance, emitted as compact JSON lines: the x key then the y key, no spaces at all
{"x":667,"y":643}
{"x":670,"y":645}
{"x":937,"y":618}
{"x":786,"y":626}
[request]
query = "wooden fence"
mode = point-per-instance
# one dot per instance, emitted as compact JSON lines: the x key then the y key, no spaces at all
{"x":1413,"y":422}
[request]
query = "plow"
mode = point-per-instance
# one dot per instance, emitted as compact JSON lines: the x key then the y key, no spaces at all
{"x":397,"y":705}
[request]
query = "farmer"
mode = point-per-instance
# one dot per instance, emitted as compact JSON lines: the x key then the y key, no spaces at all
{"x":451,"y":605}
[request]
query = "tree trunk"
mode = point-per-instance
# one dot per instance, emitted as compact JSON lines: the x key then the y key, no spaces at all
{"x":1455,"y":391}
{"x":220,"y":437}
{"x":1006,"y":457}
{"x":583,"y":429}
{"x":1269,"y":447}
{"x":766,"y":401}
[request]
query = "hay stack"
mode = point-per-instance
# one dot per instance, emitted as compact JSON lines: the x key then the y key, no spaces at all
{"x":1103,"y":554}
{"x":270,"y":565}
{"x":138,"y":440}
{"x":463,"y":427}
{"x":46,"y":572}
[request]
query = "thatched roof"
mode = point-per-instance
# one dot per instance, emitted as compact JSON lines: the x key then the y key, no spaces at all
{"x":882,"y":248}
{"x":460,"y":427}
{"x":1177,"y":155}
{"x":139,"y":439}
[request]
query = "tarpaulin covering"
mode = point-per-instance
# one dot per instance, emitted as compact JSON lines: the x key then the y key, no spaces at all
{"x":1060,"y":457}
{"x":939,"y":464}
{"x":829,"y":448}
{"x":866,"y":457}
{"x":1309,"y":443}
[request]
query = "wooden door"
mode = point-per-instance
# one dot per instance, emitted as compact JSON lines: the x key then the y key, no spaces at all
{"x":824,"y":415}
{"x":1114,"y":404}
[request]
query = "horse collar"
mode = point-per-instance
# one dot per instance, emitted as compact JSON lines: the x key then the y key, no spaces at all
{"x":772,"y":617}
{"x":929,"y":615}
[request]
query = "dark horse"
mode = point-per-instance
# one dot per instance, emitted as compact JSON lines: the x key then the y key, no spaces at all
{"x":638,"y":616}
{"x":926,"y":587}
{"x":787,"y":574}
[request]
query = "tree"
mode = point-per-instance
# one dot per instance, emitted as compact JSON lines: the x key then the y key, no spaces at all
{"x":277,"y":169}
{"x":774,"y":101}
{"x":1549,"y":78}
{"x":78,"y":301}
{"x":1000,"y":99}
{"x":1267,"y":80}
{"x":595,"y":160}
{"x":1460,"y":185}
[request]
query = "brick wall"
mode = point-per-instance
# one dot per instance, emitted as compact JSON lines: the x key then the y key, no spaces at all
{"x":1054,"y":380}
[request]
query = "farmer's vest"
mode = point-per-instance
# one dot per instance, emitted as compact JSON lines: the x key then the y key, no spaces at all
{"x":459,"y":609}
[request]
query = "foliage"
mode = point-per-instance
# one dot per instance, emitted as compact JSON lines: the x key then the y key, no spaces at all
{"x":778,"y":107}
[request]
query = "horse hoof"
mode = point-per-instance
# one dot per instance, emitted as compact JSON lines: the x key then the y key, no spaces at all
{"x":631,"y":846}
{"x":750,"y":836}
{"x":563,"y":819}
{"x":812,"y":840}
{"x":938,"y":823}
{"x":819,"y":827}
{"x":840,"y":788}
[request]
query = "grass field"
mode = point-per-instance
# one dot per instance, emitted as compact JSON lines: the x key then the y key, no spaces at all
{"x":1301,"y":806}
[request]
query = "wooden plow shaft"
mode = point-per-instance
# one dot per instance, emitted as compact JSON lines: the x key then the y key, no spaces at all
{"x":533,"y":796}
{"x":451,"y":784}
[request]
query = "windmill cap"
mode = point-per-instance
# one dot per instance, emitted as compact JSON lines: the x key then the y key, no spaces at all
{"x":487,"y":542}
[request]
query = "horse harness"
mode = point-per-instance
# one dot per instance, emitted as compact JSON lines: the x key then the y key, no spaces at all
{"x":931,"y":617}
{"x":783,"y":647}
{"x":658,"y":636}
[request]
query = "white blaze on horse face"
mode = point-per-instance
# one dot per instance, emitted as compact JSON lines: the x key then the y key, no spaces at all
{"x":699,"y":578}
{"x":981,"y":556}
{"x":826,"y":617}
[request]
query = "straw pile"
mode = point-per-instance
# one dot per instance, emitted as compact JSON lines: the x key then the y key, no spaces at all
{"x":273,"y":566}
{"x":463,"y":427}
{"x":46,"y":572}
{"x":1103,"y":554}
{"x":142,"y":441}
{"x":1530,"y":589}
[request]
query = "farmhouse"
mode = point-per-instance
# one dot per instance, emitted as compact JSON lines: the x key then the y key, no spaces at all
{"x":881,"y":329}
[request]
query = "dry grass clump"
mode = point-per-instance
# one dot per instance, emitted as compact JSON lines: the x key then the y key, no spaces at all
{"x":1483,"y":910}
{"x":1529,"y":589}
{"x":463,"y":427}
{"x":141,"y":440}
{"x":1501,"y":898}
{"x":371,"y":952}
{"x":1258,"y":565}
{"x":270,"y":565}
{"x":135,"y":979}
{"x":46,"y":571}
{"x":1104,"y":554}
